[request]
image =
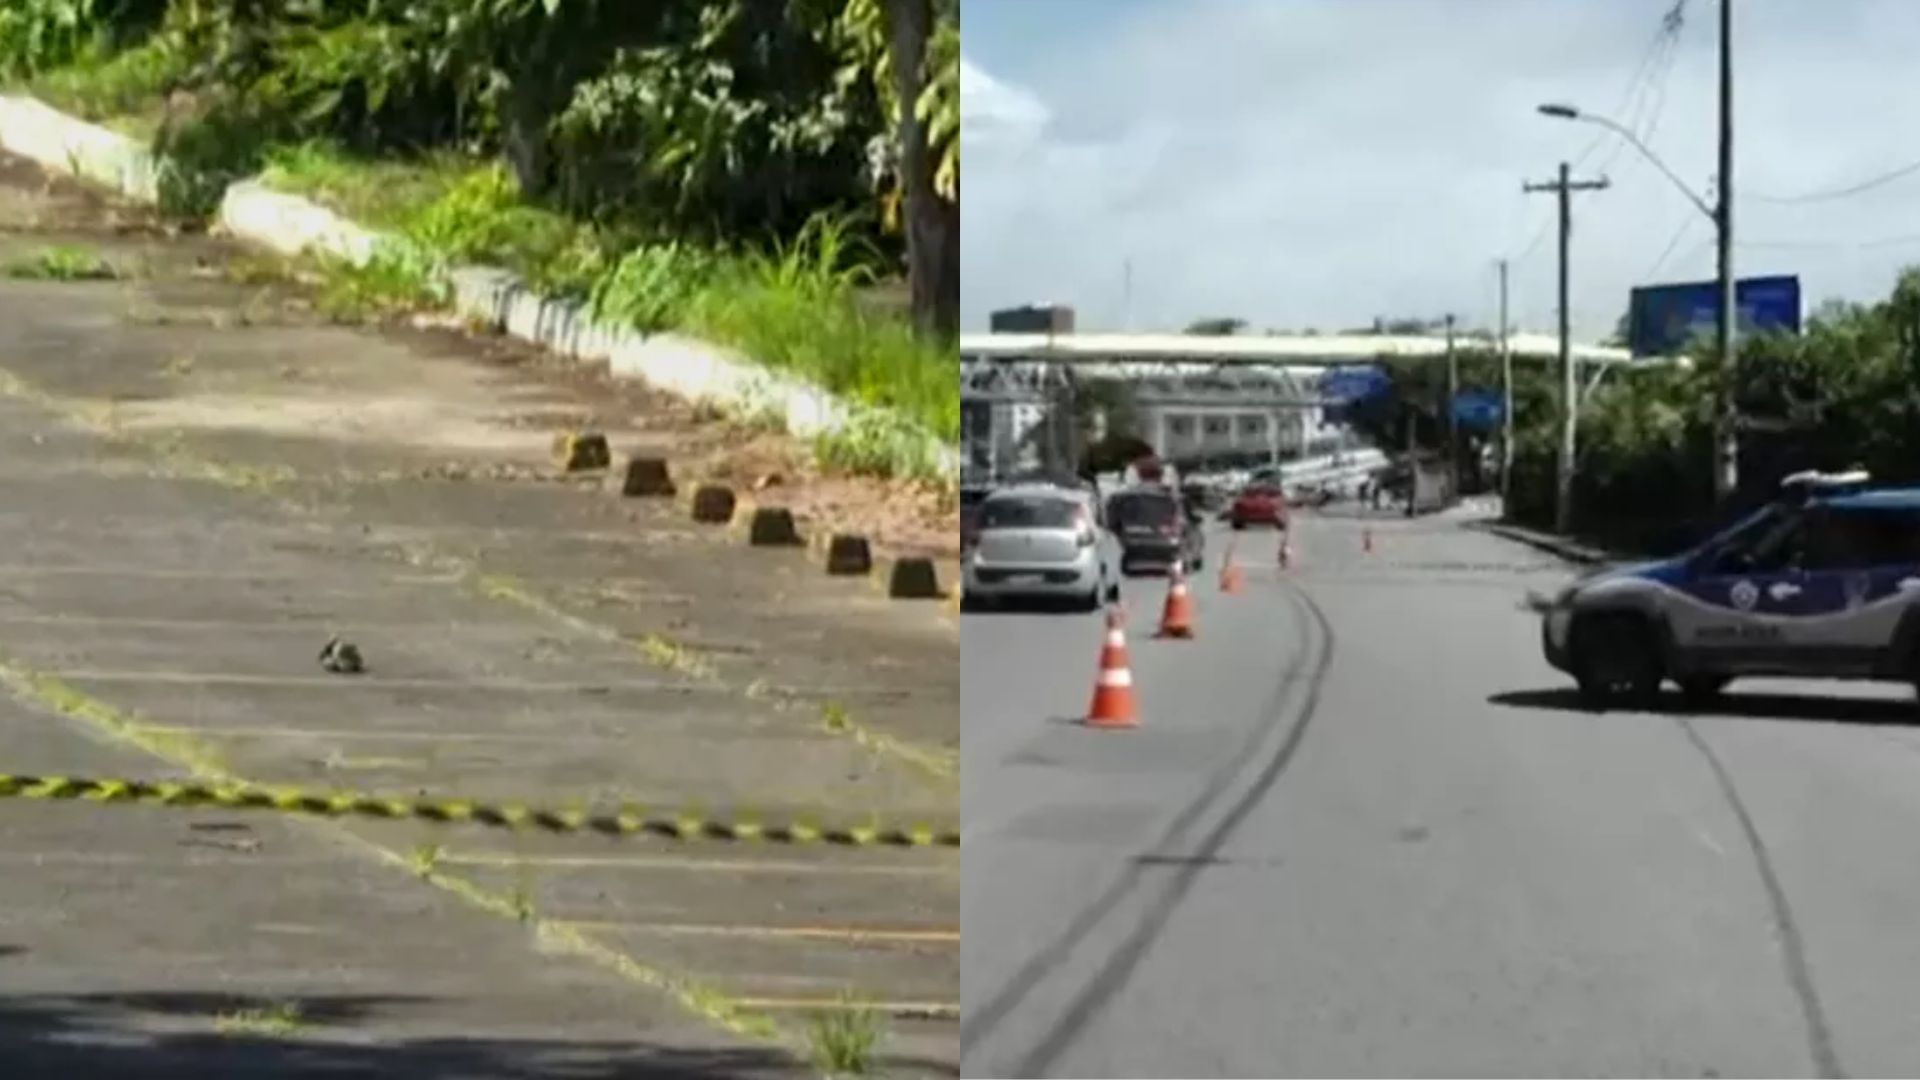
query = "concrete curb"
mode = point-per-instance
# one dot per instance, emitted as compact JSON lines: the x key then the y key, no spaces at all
{"x":1570,"y":550}
{"x":292,"y":225}
{"x":35,"y":130}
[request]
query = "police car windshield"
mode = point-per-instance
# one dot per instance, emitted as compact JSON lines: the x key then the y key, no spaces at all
{"x":1743,"y":534}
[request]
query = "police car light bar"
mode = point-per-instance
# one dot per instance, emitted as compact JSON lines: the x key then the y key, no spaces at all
{"x":1816,"y":478}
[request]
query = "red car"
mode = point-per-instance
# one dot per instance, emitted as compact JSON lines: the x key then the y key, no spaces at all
{"x":1259,"y":505}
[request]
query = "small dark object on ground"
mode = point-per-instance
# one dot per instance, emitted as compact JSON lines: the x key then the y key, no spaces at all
{"x":342,"y":657}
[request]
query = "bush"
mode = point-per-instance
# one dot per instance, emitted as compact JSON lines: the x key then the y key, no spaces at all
{"x":1843,"y":394}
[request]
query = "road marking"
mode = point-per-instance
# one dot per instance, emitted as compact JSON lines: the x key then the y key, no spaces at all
{"x":936,"y":1010}
{"x":287,"y":622}
{"x":409,"y":736}
{"x":302,"y":578}
{"x":698,"y":865}
{"x":805,"y":933}
{"x":370,"y":682}
{"x":95,"y":858}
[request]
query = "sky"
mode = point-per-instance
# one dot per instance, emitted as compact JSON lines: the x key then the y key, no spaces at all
{"x":1319,"y":163}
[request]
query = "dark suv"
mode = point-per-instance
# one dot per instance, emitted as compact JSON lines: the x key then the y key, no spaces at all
{"x":1155,"y":526}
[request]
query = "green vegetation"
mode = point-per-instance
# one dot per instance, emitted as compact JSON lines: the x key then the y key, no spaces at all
{"x":842,"y":1040}
{"x":1845,"y":393}
{"x":739,"y":170}
{"x":424,"y":860}
{"x":62,"y":264}
{"x":274,"y":1021}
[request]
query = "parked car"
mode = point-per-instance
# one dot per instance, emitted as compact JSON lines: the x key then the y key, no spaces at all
{"x":1155,"y":526}
{"x":970,"y":499}
{"x":1259,"y":504}
{"x":1040,"y":541}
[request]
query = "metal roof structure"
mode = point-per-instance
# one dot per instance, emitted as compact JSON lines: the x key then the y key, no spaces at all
{"x":1295,"y":350}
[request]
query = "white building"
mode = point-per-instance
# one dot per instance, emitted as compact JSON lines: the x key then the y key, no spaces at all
{"x":1196,"y":397}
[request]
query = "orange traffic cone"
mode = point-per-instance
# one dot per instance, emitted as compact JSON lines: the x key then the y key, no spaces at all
{"x":1229,"y":573}
{"x":1176,"y":619}
{"x":1113,"y":705}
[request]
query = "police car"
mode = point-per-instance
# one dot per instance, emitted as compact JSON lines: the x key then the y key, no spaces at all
{"x":1823,"y":582}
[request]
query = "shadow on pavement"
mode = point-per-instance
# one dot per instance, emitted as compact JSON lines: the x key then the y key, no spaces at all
{"x":115,"y":1036}
{"x":1034,"y":606}
{"x":1761,"y":706}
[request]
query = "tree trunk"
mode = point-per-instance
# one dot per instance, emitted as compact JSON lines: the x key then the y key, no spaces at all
{"x":524,"y":133}
{"x":946,"y":294}
{"x":932,"y":227}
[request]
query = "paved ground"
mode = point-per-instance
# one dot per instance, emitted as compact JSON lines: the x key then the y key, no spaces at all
{"x":198,"y":483}
{"x":1365,"y":831}
{"x":159,"y":943}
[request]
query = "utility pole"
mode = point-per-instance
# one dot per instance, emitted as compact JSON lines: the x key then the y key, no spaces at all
{"x":1564,"y":187}
{"x":1453,"y":415}
{"x":1506,"y":393}
{"x":1726,"y":474}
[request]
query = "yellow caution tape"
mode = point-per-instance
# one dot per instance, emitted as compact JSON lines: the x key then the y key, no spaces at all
{"x":628,"y":822}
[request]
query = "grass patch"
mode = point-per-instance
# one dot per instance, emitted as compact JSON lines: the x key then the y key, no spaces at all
{"x":272,"y":1021}
{"x":122,"y":91}
{"x":521,"y":899}
{"x":378,"y":194}
{"x":396,"y":280}
{"x":425,"y":859}
{"x":842,"y":1041}
{"x":792,"y":306}
{"x":62,"y":264}
{"x":665,"y":652}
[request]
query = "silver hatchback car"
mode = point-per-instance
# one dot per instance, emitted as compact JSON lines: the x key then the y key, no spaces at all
{"x":1041,"y":542}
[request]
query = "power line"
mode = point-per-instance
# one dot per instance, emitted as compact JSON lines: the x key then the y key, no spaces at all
{"x":1841,"y":193}
{"x":1651,"y":100}
{"x":1686,"y":223}
{"x":1831,"y":245}
{"x":1656,"y":62}
{"x":1669,"y":23}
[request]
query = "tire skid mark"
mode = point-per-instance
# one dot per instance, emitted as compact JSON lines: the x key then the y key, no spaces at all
{"x":1121,"y":964}
{"x":1793,"y":949}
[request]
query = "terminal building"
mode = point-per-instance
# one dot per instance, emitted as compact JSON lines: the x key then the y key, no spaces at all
{"x":1196,"y":399}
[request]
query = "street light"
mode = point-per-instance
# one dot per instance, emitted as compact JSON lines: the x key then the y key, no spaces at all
{"x":1568,"y":112}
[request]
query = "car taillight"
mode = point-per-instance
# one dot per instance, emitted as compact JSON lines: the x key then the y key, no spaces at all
{"x":1170,"y":529}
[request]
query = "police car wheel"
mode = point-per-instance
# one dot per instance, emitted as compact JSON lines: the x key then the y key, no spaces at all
{"x":1614,"y":660}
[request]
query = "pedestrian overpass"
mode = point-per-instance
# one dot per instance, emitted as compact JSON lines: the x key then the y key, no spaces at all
{"x":1195,"y":398}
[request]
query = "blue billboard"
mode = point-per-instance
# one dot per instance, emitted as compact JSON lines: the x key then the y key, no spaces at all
{"x":1478,"y":410}
{"x":1353,"y":383}
{"x":1661,"y":319}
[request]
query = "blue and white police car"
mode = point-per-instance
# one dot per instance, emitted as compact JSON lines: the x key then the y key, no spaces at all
{"x":1823,"y":582}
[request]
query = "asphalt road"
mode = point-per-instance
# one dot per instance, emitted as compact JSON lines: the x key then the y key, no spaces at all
{"x":1364,"y":830}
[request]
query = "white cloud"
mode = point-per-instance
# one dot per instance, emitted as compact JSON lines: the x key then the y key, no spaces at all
{"x":993,"y":112}
{"x":1319,"y":163}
